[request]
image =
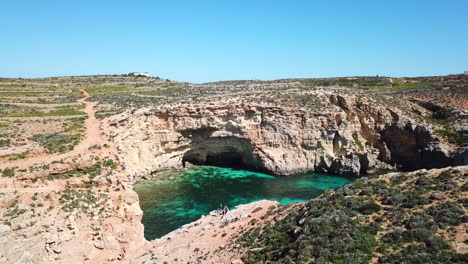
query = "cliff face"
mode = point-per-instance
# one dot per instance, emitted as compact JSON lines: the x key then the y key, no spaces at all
{"x":344,"y":136}
{"x":67,"y":212}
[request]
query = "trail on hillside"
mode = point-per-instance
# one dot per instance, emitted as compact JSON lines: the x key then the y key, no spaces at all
{"x":93,"y":136}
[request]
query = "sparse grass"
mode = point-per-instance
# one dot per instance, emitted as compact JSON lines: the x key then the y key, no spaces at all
{"x":73,"y":199}
{"x":95,"y":90}
{"x":19,"y":156}
{"x":56,"y":142}
{"x":25,"y":94}
{"x":64,"y":100}
{"x":92,"y":171}
{"x":452,"y":135}
{"x":57,"y":112}
{"x":407,"y":86}
{"x":67,"y":175}
{"x":14,"y":212}
{"x":107,"y":113}
{"x":75,"y":124}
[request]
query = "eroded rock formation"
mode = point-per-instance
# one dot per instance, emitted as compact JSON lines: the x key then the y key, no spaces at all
{"x":347,"y":136}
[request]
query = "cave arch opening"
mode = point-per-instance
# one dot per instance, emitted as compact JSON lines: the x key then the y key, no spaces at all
{"x":227,"y":152}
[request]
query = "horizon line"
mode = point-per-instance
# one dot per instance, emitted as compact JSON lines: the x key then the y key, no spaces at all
{"x":231,"y":80}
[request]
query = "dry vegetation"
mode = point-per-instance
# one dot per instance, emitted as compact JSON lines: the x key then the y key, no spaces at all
{"x":398,"y":218}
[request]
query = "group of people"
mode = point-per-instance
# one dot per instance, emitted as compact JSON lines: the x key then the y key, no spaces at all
{"x":222,"y":210}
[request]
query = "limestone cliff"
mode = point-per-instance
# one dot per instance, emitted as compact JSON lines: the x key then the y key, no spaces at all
{"x":344,"y":135}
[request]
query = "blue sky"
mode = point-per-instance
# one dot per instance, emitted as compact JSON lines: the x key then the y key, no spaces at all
{"x":200,"y":41}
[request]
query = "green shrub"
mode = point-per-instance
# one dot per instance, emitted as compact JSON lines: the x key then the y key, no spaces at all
{"x":57,"y":142}
{"x":8,"y":172}
{"x":446,"y":214}
{"x":369,"y":207}
{"x":110,"y":163}
{"x":357,"y":141}
{"x":19,"y":156}
{"x":75,"y":124}
{"x":5,"y":142}
{"x":257,"y":209}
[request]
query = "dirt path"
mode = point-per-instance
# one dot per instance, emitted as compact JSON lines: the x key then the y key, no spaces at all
{"x":93,"y":136}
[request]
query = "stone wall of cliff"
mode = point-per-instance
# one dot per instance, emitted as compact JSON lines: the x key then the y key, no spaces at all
{"x":348,"y":136}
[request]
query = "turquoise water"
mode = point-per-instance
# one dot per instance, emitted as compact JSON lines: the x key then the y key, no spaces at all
{"x":178,"y":198}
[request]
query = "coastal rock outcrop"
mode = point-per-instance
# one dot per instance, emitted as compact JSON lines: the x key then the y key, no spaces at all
{"x":345,"y":136}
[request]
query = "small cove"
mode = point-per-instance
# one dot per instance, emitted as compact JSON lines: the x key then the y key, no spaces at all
{"x":180,"y":197}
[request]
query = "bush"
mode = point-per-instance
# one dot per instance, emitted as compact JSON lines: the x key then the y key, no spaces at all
{"x":5,"y":142}
{"x":420,"y":254}
{"x":369,"y":207}
{"x":8,"y":172}
{"x":446,"y":214}
{"x":110,"y":163}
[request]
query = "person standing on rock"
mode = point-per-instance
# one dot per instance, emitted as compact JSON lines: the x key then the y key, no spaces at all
{"x":122,"y":254}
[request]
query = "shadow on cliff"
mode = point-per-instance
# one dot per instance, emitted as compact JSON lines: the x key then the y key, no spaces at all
{"x":221,"y":151}
{"x":414,"y":148}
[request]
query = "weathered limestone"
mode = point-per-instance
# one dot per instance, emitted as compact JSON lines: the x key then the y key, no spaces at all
{"x":347,"y":137}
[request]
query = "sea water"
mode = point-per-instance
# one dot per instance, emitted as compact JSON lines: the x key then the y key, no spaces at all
{"x":181,"y":197}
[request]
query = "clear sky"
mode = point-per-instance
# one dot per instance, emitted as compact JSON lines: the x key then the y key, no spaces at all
{"x":200,"y":41}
